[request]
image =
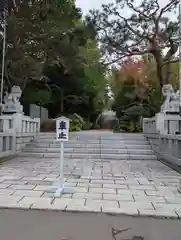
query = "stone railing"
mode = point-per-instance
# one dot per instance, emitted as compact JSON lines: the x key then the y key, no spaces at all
{"x":163,"y":133}
{"x":162,"y":124}
{"x":15,"y":132}
{"x":169,"y":148}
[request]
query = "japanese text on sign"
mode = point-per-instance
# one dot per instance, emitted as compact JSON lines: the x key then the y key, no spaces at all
{"x":62,"y":129}
{"x":62,"y":125}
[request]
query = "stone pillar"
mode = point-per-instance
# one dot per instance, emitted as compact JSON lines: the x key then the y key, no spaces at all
{"x":37,"y":125}
{"x":145,"y":125}
{"x":167,"y":123}
{"x":17,"y":122}
{"x":160,"y":123}
{"x":6,"y":126}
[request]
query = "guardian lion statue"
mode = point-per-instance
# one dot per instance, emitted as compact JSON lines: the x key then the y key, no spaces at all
{"x":171,"y":101}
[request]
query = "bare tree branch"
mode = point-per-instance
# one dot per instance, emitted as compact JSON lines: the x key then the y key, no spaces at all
{"x":131,"y":28}
{"x":126,"y":56}
{"x":130,"y":5}
{"x":169,"y":6}
{"x":146,"y":31}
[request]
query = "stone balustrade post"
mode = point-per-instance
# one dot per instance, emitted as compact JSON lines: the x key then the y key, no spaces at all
{"x":17,"y":122}
{"x":161,"y":127}
{"x":145,"y":125}
{"x":37,"y":120}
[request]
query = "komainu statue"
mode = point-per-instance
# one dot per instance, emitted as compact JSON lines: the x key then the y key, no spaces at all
{"x":171,"y":101}
{"x":11,"y":101}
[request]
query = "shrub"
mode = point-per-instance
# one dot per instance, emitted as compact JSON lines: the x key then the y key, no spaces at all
{"x":128,"y":126}
{"x":76,"y":122}
{"x":48,"y":125}
{"x":96,"y":126}
{"x":118,"y":129}
{"x":87,"y":125}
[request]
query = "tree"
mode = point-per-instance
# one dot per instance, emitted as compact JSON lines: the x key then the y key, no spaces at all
{"x":81,"y":90}
{"x":95,"y":73}
{"x":148,"y":30}
{"x":55,"y":58}
{"x":44,"y":40}
{"x":136,"y":92}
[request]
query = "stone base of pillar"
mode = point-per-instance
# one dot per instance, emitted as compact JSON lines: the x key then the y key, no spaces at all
{"x":167,"y":123}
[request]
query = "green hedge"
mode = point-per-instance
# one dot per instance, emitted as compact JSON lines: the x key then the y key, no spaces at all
{"x":48,"y":125}
{"x":77,"y":123}
{"x":128,"y":126}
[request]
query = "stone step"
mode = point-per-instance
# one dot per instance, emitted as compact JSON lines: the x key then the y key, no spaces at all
{"x":92,"y":146}
{"x":108,"y":143}
{"x":110,"y":136}
{"x":95,"y":139}
{"x":90,"y":150}
{"x":90,"y":156}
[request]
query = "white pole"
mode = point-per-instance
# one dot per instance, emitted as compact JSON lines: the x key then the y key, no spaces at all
{"x":180,"y":56}
{"x":61,"y":164}
{"x":60,"y":189}
{"x":180,"y":65}
{"x":179,"y":185}
{"x":3,"y":60}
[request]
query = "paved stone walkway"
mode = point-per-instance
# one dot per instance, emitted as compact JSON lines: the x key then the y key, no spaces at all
{"x":121,"y":187}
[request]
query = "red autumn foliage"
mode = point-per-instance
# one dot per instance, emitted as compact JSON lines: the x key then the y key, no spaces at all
{"x":132,"y":69}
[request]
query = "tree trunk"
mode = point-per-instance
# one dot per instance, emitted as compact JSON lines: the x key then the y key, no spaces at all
{"x":173,"y":49}
{"x":159,"y":61}
{"x":168,"y":73}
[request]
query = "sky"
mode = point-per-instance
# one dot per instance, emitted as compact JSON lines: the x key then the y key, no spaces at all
{"x":86,"y":5}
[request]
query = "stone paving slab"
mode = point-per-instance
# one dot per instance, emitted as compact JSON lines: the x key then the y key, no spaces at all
{"x":126,"y":187}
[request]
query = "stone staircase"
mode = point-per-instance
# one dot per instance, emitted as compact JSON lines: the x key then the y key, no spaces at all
{"x":95,"y":145}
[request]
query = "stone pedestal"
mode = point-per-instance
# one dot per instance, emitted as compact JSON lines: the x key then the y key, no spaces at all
{"x":160,"y":120}
{"x":167,"y":123}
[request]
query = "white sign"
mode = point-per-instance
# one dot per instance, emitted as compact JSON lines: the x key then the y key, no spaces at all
{"x":62,"y":131}
{"x":62,"y":128}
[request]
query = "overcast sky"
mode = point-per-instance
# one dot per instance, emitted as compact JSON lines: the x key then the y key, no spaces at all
{"x":90,"y":4}
{"x":86,"y":5}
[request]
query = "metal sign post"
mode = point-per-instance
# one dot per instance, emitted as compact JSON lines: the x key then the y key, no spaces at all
{"x":3,"y":60}
{"x":180,"y":59}
{"x":62,"y":134}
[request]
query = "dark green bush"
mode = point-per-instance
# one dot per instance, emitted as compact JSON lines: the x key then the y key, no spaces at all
{"x":118,"y":129}
{"x":96,"y":126}
{"x":77,"y":123}
{"x":87,"y":125}
{"x":128,"y":126}
{"x":75,"y":126}
{"x":48,"y":125}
